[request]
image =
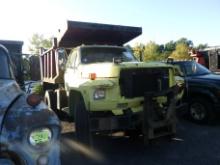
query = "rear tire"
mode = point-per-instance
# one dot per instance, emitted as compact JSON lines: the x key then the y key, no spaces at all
{"x":201,"y":110}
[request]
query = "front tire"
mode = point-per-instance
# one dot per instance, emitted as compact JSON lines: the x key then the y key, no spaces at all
{"x":201,"y":110}
{"x":82,"y":129}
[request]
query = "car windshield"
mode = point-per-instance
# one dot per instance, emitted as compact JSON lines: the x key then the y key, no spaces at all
{"x":103,"y":54}
{"x":4,"y":67}
{"x":193,"y":69}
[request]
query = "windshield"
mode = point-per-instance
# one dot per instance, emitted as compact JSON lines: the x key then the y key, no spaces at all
{"x":194,"y":69}
{"x":104,"y":54}
{"x":4,"y":67}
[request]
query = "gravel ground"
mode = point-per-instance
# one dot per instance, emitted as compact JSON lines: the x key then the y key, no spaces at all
{"x":193,"y":145}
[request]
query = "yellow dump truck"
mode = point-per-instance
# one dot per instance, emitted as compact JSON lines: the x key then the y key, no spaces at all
{"x":90,"y":74}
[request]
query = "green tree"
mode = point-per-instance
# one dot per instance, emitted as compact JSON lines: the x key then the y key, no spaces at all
{"x":138,"y":51}
{"x":38,"y":41}
{"x":181,"y":52}
{"x":152,"y":52}
{"x":201,"y":46}
{"x":170,"y":46}
{"x":26,"y":67}
{"x":161,"y":48}
{"x":183,"y":40}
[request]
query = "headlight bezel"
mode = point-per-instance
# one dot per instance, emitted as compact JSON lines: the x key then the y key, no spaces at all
{"x":43,"y":143}
{"x":99,"y":94}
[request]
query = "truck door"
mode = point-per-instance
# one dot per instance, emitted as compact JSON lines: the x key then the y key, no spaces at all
{"x":70,"y":75}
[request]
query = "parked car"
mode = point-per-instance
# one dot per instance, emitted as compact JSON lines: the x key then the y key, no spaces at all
{"x":202,"y":91}
{"x":29,"y":131}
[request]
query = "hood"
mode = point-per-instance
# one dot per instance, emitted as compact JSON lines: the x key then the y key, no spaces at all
{"x":9,"y":91}
{"x":208,"y":77}
{"x":112,"y":70}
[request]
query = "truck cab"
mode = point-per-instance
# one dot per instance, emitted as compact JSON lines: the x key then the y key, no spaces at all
{"x":95,"y":62}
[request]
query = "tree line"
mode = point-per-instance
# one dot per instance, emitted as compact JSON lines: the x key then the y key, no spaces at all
{"x":174,"y":49}
{"x":150,"y":51}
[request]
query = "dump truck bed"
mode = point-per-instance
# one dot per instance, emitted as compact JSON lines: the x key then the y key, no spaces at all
{"x":77,"y":33}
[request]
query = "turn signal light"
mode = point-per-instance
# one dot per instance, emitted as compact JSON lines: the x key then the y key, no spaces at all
{"x":33,"y":99}
{"x":92,"y":76}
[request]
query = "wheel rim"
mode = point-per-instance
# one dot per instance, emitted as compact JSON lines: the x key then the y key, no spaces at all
{"x":198,"y":111}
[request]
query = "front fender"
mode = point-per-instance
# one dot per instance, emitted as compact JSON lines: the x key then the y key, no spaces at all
{"x":20,"y":121}
{"x":203,"y":92}
{"x":86,"y":90}
{"x":6,"y":161}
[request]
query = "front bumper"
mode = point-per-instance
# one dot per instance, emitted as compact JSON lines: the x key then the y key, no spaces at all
{"x":19,"y":154}
{"x":154,"y":120}
{"x":108,"y":122}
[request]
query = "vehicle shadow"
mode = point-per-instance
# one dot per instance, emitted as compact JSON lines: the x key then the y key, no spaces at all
{"x":192,"y":141}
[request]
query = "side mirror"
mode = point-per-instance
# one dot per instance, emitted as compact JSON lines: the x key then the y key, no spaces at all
{"x":62,"y":58}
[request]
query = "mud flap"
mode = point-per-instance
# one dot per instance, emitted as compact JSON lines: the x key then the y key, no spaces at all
{"x":154,"y":124}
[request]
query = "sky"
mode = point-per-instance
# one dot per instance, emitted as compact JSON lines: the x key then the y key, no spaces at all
{"x":161,"y":20}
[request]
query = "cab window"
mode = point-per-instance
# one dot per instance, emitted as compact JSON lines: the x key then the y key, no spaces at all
{"x":4,"y":65}
{"x":71,"y":60}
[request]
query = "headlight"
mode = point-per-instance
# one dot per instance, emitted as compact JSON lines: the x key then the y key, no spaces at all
{"x":99,"y":94}
{"x":40,"y":137}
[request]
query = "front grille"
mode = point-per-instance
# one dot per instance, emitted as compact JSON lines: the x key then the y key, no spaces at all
{"x":136,"y":82}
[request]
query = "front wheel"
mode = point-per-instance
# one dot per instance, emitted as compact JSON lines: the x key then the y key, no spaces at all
{"x":200,"y":110}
